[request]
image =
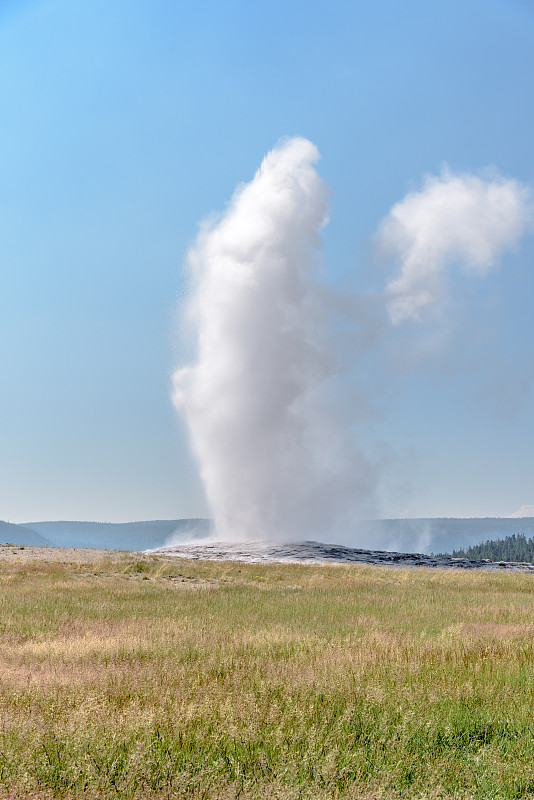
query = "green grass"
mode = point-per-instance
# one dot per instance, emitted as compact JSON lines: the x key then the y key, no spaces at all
{"x":166,"y":679}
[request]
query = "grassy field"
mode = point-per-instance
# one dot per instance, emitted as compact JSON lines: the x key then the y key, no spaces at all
{"x":158,"y":678}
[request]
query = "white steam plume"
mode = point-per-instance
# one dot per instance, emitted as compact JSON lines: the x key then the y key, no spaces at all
{"x":271,"y":464}
{"x":523,"y":511}
{"x":454,"y":218}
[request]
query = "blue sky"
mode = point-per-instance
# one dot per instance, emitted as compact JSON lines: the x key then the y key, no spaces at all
{"x":124,"y":124}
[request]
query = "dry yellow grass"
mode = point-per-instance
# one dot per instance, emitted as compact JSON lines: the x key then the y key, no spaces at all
{"x":151,"y":677}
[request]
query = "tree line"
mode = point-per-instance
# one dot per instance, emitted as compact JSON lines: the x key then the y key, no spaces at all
{"x":512,"y":548}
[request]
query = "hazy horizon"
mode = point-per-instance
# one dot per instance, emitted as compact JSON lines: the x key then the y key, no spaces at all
{"x":401,"y":535}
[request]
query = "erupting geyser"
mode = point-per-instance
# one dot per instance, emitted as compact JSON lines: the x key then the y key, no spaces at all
{"x":271,"y":463}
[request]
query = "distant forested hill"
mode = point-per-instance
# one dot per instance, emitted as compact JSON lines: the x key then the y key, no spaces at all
{"x":443,"y":535}
{"x":120,"y":535}
{"x":512,"y":548}
{"x":19,"y":534}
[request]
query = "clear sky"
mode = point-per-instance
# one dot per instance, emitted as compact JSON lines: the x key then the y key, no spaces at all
{"x":124,"y":124}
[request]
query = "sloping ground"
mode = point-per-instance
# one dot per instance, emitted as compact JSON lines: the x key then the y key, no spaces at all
{"x":316,"y":552}
{"x":120,"y":535}
{"x":20,"y":534}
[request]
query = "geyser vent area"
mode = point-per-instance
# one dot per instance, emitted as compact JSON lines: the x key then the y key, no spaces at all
{"x":272,"y":464}
{"x":274,"y":552}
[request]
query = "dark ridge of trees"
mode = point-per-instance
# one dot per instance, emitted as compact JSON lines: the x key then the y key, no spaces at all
{"x":512,"y":548}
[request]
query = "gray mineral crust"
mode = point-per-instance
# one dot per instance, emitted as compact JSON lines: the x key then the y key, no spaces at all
{"x":274,"y":552}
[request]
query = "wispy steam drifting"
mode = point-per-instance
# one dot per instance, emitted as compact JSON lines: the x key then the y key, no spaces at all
{"x":270,"y":464}
{"x":454,"y":218}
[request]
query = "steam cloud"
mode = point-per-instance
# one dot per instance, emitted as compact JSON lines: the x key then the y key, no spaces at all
{"x":271,"y":464}
{"x":274,"y":458}
{"x":523,"y":511}
{"x":460,"y":218}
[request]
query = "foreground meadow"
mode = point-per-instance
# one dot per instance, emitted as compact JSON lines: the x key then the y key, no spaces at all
{"x":138,"y":677}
